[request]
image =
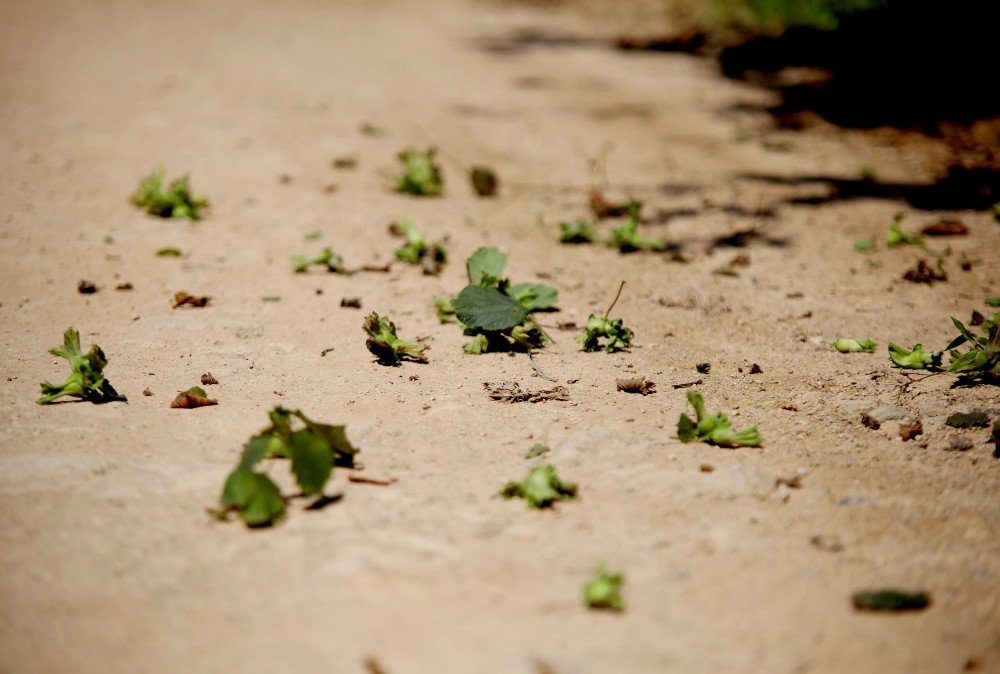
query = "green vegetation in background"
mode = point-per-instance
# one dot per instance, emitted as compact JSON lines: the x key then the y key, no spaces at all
{"x":774,"y":16}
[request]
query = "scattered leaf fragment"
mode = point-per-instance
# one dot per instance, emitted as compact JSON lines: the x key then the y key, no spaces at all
{"x":86,"y":287}
{"x":638,"y":385}
{"x":993,"y":301}
{"x":603,"y":208}
{"x":513,"y":393}
{"x":345,"y":162}
{"x":703,"y":368}
{"x":208,"y":380}
{"x":983,"y":354}
{"x":333,"y":262}
{"x":626,"y":238}
{"x":914,"y":359}
{"x":124,"y":286}
{"x":350,"y":302}
{"x":603,"y":591}
{"x":541,"y":488}
{"x":973,"y":419}
{"x":169,"y":251}
{"x":946,"y":227}
{"x":484,"y":181}
{"x":86,"y":381}
{"x":421,"y":174}
{"x":844,"y":345}
{"x":895,"y":236}
{"x":313,"y":450}
{"x":865,"y":245}
{"x":615,"y":333}
{"x":418,"y":250}
{"x":146,"y":392}
{"x":923,"y":272}
{"x":386,"y":346}
{"x":537,"y":450}
{"x":174,"y":201}
{"x":184,"y":299}
{"x":714,"y":429}
{"x":910,"y":429}
{"x":755,"y":369}
{"x":575,"y":231}
{"x":192,"y":398}
{"x":890,"y":600}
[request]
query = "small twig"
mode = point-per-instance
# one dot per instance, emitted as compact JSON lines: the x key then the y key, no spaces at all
{"x":325,"y":351}
{"x":538,"y":370}
{"x":361,"y":479}
{"x":687,"y":384}
{"x":615,"y":301}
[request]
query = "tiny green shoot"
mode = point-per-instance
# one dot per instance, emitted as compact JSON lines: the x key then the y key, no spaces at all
{"x":174,"y":201}
{"x":386,"y":346}
{"x":87,"y":380}
{"x":541,"y":488}
{"x":615,"y":333}
{"x":714,"y":429}
{"x":603,"y":591}
{"x":421,"y":174}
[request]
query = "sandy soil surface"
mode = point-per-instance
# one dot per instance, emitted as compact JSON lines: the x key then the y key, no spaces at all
{"x":110,"y":562}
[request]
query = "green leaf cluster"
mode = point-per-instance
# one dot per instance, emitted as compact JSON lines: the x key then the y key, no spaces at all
{"x":974,"y":419}
{"x":495,"y":313}
{"x":575,"y":231}
{"x":386,"y":346}
{"x":541,"y":488}
{"x":615,"y":333}
{"x":174,"y":201}
{"x":844,"y":345}
{"x":714,"y":429}
{"x":915,"y":358}
{"x":313,"y":450}
{"x":87,"y":380}
{"x":897,"y":237}
{"x":626,"y":238}
{"x":334,"y":263}
{"x":983,"y":353}
{"x":603,"y":591}
{"x":421,"y":174}
{"x":418,"y":250}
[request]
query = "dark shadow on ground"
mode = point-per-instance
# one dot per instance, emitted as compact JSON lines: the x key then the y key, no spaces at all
{"x":960,"y":188}
{"x":913,"y":64}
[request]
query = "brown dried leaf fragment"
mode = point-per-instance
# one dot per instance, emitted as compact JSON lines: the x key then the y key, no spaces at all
{"x":977,"y":318}
{"x":207,"y":379}
{"x":925,"y":273}
{"x":350,"y":302}
{"x":603,"y":208}
{"x":910,"y":429}
{"x":86,"y":287}
{"x":182,"y":299}
{"x":637,"y":385}
{"x":513,"y":393}
{"x":192,"y":398}
{"x":946,"y":227}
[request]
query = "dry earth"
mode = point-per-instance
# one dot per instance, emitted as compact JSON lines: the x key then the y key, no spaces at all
{"x":110,"y":561}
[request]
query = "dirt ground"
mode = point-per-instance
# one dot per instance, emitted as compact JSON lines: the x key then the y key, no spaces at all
{"x":110,"y":562}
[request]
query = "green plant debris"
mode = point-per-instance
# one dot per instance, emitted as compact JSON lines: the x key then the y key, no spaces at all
{"x":914,"y":359}
{"x":890,"y":600}
{"x":613,"y":331}
{"x":627,"y":239}
{"x":845,"y":345}
{"x":993,"y":301}
{"x":537,"y":450}
{"x":604,"y":591}
{"x":386,"y":346}
{"x":314,"y":235}
{"x":865,"y":245}
{"x":974,"y":419}
{"x":176,"y":201}
{"x":421,"y":174}
{"x":87,"y":380}
{"x":333,"y":262}
{"x":776,"y":16}
{"x":897,"y":237}
{"x":418,"y":250}
{"x":983,"y":354}
{"x":541,"y":488}
{"x":575,"y":231}
{"x":169,"y":251}
{"x":496,"y":314}
{"x":484,"y":181}
{"x":714,"y":429}
{"x":313,"y":450}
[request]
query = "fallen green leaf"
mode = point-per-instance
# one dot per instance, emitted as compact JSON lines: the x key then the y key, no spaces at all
{"x":890,"y":600}
{"x":174,"y":201}
{"x":973,"y":419}
{"x":421,"y":174}
{"x":575,"y":231}
{"x":914,"y":359}
{"x":844,"y":345}
{"x":327,"y":257}
{"x":627,"y":239}
{"x":87,"y":380}
{"x":714,"y":429}
{"x":386,"y":346}
{"x":169,"y":252}
{"x":541,"y":488}
{"x":897,"y":237}
{"x":865,"y":245}
{"x":603,"y":591}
